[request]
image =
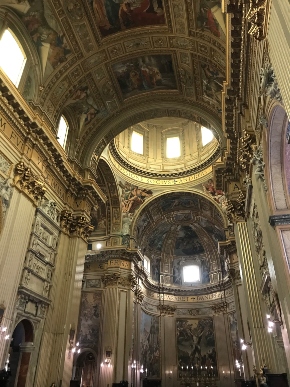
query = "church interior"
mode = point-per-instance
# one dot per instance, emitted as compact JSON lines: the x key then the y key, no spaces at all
{"x":144,"y":193}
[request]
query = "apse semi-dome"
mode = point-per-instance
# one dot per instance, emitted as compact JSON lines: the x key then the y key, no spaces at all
{"x":166,"y":147}
{"x":180,"y":231}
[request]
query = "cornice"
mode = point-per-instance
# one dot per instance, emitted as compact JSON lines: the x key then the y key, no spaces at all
{"x":163,"y":175}
{"x":37,"y":137}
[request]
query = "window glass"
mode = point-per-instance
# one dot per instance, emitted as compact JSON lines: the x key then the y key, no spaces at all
{"x":137,"y":142}
{"x":191,"y":273}
{"x":146,"y":264}
{"x":206,"y":135}
{"x":172,"y":147}
{"x":12,"y":57}
{"x":62,"y":131}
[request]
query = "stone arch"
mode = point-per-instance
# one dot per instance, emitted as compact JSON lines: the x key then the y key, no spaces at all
{"x":20,"y":352}
{"x":276,"y":177}
{"x":96,"y":138}
{"x":85,"y":364}
{"x":149,"y":201}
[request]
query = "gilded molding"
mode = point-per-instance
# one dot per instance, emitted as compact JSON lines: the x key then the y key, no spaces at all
{"x":257,"y":16}
{"x":28,"y":182}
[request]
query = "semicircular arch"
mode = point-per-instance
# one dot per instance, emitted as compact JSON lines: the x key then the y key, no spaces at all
{"x":196,"y":192}
{"x":96,"y":138}
{"x":278,"y":121}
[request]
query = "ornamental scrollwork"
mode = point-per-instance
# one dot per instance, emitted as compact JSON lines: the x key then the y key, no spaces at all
{"x":257,"y":16}
{"x":28,"y":182}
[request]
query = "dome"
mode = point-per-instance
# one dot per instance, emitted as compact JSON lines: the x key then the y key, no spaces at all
{"x":166,"y":147}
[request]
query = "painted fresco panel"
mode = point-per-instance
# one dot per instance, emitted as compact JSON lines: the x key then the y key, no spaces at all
{"x":150,"y":344}
{"x":119,"y":15}
{"x":145,"y":73}
{"x":89,"y":325}
{"x":45,"y":32}
{"x":196,"y":343}
{"x":187,"y":242}
{"x":210,"y":18}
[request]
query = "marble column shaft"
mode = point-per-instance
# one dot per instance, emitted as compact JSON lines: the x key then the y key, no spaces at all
{"x":260,"y":338}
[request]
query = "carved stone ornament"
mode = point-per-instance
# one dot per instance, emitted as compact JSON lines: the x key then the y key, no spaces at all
{"x":222,"y":307}
{"x":193,"y":312}
{"x":110,"y":279}
{"x":259,"y":164}
{"x":246,"y":151}
{"x":166,"y":310}
{"x":49,"y":207}
{"x":65,"y":220}
{"x":29,"y":183}
{"x":257,"y":15}
{"x":75,"y":225}
{"x":269,"y":85}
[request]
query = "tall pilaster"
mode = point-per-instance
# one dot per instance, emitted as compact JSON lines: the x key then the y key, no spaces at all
{"x":261,"y":346}
{"x":55,"y":356}
{"x":117,"y":325}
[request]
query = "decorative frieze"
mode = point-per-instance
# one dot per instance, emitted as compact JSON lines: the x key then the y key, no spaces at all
{"x":166,"y":310}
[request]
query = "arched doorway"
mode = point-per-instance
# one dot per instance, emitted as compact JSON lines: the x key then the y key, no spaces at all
{"x":20,"y":352}
{"x":85,"y":370}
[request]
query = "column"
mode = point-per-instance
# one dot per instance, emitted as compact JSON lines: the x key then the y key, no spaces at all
{"x":116,"y":332}
{"x":260,"y":340}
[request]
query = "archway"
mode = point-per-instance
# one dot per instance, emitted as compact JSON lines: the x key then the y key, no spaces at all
{"x":85,"y":370}
{"x":276,"y":157}
{"x":20,"y":352}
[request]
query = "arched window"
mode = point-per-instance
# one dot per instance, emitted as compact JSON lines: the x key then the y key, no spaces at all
{"x":62,"y":131}
{"x":206,"y":135}
{"x":12,"y":57}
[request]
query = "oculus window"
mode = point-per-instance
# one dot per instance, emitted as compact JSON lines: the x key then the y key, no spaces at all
{"x":12,"y":57}
{"x":206,"y":136}
{"x":137,"y":142}
{"x":62,"y":131}
{"x":191,"y":273}
{"x":172,"y":147}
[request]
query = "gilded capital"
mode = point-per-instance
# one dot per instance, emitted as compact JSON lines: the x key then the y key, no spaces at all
{"x":28,"y":182}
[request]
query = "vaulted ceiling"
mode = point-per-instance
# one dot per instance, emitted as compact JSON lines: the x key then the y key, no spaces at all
{"x":109,"y":65}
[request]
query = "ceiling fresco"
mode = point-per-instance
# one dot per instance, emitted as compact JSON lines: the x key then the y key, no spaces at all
{"x":115,"y":16}
{"x":182,"y":224}
{"x":145,"y":73}
{"x":168,"y":57}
